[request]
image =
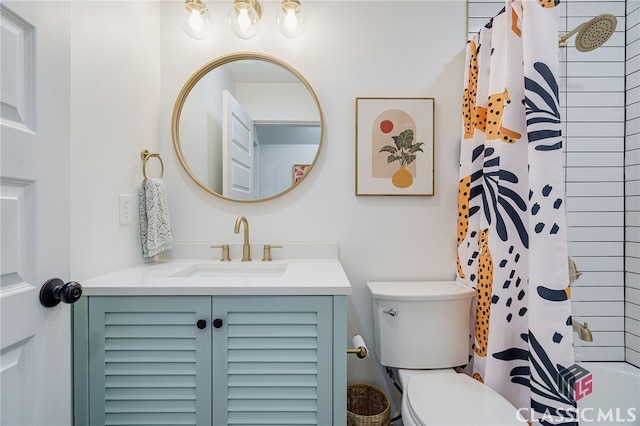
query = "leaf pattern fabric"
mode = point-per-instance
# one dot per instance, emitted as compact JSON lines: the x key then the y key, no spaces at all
{"x":512,"y":242}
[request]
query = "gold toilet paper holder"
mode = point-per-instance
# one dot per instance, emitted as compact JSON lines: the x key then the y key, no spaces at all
{"x":360,"y":348}
{"x":361,"y":351}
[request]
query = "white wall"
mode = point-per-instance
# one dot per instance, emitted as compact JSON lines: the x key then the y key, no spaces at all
{"x":350,"y":49}
{"x":201,"y":127}
{"x":285,"y":102}
{"x":115,"y":91}
{"x":276,"y":165}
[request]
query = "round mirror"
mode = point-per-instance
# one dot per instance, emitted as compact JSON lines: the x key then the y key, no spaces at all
{"x":247,"y":127}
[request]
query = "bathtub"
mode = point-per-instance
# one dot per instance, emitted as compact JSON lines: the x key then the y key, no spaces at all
{"x":615,"y":399}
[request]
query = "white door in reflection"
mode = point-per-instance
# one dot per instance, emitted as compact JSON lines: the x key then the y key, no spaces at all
{"x":237,"y":150}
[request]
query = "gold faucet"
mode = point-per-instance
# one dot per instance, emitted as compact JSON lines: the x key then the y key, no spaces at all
{"x":246,"y":248}
{"x":583,"y":330}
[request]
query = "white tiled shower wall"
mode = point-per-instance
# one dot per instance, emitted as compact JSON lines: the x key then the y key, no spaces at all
{"x":599,"y":199}
{"x":632,"y":185}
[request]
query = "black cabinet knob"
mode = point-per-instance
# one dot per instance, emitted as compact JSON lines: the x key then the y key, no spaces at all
{"x":217,"y":323}
{"x":201,"y":324}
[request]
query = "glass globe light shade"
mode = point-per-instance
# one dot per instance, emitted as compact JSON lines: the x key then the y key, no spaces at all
{"x":195,"y":20}
{"x":244,"y":19}
{"x":291,"y":20}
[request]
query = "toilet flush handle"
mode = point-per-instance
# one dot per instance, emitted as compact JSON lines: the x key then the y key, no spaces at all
{"x":393,"y":312}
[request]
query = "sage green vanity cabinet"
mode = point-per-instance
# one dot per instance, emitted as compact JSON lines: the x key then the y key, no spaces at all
{"x":210,"y":360}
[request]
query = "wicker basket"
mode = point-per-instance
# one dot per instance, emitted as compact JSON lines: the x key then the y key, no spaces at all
{"x":367,"y":406}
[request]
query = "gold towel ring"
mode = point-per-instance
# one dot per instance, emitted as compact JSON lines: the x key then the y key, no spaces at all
{"x":145,"y":155}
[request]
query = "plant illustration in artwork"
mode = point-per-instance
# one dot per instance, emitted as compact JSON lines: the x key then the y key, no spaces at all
{"x":404,"y":152}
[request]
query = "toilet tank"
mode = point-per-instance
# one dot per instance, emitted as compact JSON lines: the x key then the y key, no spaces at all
{"x":421,"y":324}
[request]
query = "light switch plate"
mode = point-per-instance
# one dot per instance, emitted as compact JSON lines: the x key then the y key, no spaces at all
{"x":125,"y":209}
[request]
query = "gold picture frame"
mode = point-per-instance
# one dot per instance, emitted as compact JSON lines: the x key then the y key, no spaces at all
{"x":395,"y":146}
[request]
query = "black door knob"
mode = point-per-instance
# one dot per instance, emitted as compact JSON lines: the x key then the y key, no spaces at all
{"x":217,"y":323}
{"x":55,"y":291}
{"x":201,"y":324}
{"x":70,"y":292}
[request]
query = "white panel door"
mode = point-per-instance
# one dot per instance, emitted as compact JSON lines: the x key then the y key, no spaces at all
{"x":35,"y":343}
{"x":237,"y":150}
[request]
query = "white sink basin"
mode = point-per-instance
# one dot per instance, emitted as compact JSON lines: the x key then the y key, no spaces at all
{"x":204,"y":270}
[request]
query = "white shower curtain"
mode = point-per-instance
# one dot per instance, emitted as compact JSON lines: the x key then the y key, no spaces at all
{"x":511,"y":227}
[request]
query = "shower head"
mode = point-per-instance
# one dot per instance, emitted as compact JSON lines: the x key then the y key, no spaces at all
{"x":591,"y":34}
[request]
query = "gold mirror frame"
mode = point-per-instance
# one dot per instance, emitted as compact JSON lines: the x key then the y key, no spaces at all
{"x":204,"y":70}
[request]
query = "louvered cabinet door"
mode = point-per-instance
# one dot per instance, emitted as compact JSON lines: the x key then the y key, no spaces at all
{"x":272,"y":360}
{"x":149,"y":363}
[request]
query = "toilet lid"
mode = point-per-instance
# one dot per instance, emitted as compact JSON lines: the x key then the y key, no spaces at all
{"x":457,"y":399}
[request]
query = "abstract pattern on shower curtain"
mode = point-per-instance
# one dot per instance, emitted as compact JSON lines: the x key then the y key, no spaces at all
{"x":512,"y":243}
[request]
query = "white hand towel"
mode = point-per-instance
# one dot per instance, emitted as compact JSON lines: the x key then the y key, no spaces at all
{"x":155,"y":228}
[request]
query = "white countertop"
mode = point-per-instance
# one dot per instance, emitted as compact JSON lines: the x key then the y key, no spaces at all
{"x":301,"y":277}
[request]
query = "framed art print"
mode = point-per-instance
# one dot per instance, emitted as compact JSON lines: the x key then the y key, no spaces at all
{"x":299,"y":171}
{"x":395,"y":146}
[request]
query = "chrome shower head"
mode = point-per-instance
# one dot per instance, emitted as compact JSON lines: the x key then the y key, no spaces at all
{"x":591,"y":34}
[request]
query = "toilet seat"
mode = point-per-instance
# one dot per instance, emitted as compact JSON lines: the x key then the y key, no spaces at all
{"x":454,"y":399}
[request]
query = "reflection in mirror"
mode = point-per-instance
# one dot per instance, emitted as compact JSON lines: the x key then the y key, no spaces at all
{"x":242,"y":122}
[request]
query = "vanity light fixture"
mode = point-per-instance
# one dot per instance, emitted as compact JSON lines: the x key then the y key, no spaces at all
{"x":291,"y":19}
{"x":244,"y":18}
{"x":196,"y":20}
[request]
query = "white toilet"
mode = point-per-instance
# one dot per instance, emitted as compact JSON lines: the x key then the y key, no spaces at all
{"x":422,"y":329}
